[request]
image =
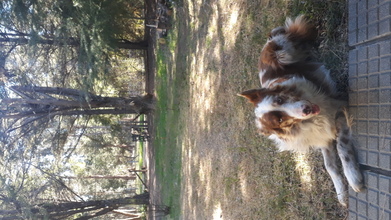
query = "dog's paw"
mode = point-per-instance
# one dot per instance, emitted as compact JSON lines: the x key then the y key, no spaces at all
{"x":358,"y":187}
{"x":355,"y":178}
{"x":342,"y":199}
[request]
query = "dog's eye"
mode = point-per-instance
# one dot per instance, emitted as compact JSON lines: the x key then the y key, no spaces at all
{"x":279,"y":100}
{"x":280,"y":120}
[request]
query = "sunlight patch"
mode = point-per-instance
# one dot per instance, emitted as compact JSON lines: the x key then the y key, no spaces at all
{"x":204,"y":170}
{"x":217,"y":212}
{"x":243,"y":184}
{"x":233,"y":19}
{"x":202,"y":90}
{"x":304,"y":169}
{"x":231,"y":23}
{"x":204,"y":173}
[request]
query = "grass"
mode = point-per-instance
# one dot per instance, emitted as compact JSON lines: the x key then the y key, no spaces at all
{"x":168,"y":155}
{"x":210,"y":162}
{"x":140,"y":147}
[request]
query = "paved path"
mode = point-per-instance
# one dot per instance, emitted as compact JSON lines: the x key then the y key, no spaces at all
{"x":369,"y":32}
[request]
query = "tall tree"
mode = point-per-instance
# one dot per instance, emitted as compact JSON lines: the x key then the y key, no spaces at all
{"x":80,"y":37}
{"x":25,"y":39}
{"x":89,"y":209}
{"x":47,"y":47}
{"x":47,"y":102}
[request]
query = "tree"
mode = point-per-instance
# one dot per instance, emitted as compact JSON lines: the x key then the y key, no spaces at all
{"x":80,"y":37}
{"x":89,"y":209}
{"x":47,"y":102}
{"x":25,"y":39}
{"x":123,"y":177}
{"x":30,"y":137}
{"x":52,"y":46}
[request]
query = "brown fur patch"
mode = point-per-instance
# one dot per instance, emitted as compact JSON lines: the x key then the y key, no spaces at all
{"x":277,"y":122}
{"x":269,"y":57}
{"x":254,"y":95}
{"x":302,"y":31}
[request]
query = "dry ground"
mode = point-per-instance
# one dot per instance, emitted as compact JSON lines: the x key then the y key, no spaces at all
{"x":226,"y":170}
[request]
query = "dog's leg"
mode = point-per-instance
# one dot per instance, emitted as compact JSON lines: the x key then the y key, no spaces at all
{"x":345,"y":147}
{"x":330,"y":162}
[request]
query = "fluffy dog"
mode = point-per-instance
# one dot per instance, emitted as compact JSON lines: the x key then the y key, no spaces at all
{"x":297,"y":105}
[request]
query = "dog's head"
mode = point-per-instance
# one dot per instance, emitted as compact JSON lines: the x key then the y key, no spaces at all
{"x":280,"y":109}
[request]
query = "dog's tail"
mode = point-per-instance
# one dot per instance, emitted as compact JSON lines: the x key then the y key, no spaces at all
{"x":289,"y":44}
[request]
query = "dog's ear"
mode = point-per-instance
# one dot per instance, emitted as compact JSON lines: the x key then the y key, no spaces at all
{"x":253,"y":95}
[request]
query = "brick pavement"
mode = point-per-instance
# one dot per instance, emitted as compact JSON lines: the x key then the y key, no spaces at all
{"x":369,"y":33}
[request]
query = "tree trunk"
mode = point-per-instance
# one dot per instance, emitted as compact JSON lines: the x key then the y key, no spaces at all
{"x":74,"y":42}
{"x":24,"y":41}
{"x":68,"y":112}
{"x":142,"y":45}
{"x":67,"y":209}
{"x":70,"y":102}
{"x":101,"y":177}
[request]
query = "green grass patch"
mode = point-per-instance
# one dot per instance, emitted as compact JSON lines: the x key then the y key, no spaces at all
{"x":167,"y":151}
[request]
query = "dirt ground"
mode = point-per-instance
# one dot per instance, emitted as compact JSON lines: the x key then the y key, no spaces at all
{"x":229,"y":171}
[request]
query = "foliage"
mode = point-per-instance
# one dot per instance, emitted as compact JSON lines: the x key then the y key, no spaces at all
{"x":50,"y":158}
{"x":66,"y":42}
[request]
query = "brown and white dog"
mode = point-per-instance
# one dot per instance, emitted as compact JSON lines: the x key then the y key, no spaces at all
{"x":297,"y":105}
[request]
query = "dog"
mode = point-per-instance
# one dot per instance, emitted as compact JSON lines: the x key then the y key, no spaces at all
{"x":298,"y":105}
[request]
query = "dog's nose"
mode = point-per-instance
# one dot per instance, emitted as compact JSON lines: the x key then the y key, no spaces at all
{"x":307,"y":110}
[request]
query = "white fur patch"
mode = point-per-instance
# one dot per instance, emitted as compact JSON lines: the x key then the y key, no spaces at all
{"x":293,"y":109}
{"x":261,"y":74}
